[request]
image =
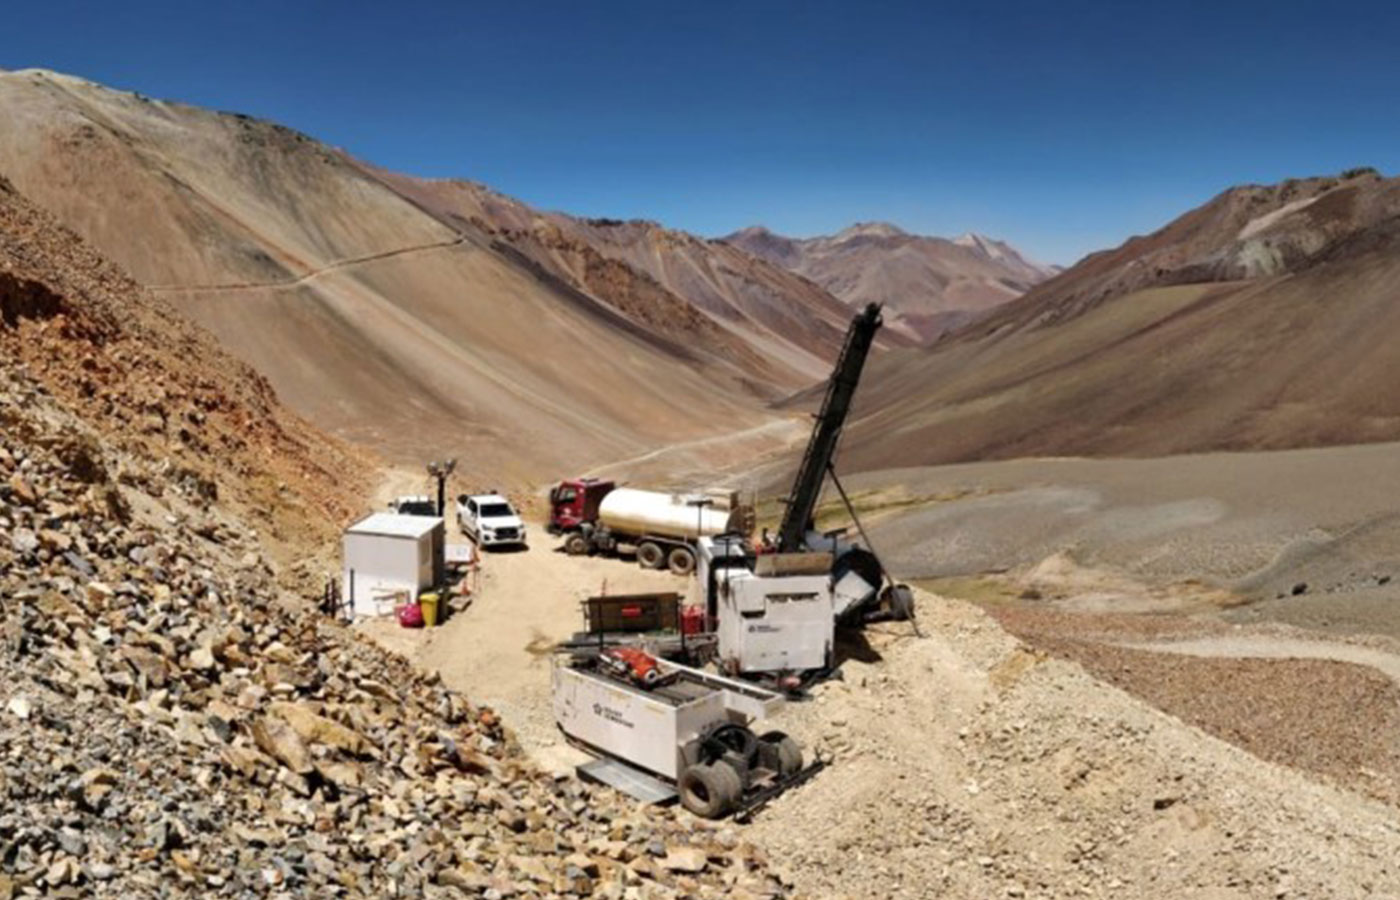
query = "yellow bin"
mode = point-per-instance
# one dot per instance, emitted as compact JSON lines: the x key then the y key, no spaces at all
{"x":429,"y":604}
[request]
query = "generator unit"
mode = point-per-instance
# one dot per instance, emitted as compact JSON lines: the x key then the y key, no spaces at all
{"x":777,"y":617}
{"x":662,"y":730}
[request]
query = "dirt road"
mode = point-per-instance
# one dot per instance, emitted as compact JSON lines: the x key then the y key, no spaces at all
{"x":1259,"y":646}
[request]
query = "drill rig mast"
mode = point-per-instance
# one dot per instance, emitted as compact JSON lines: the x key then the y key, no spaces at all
{"x":821,"y":449}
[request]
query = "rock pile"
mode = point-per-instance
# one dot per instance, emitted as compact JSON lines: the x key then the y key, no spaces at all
{"x":966,"y":764}
{"x":168,"y":725}
{"x":156,"y":387}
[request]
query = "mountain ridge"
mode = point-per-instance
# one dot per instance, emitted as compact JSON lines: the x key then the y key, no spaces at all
{"x":928,"y":285}
{"x":1262,"y":319}
{"x":447,"y":316}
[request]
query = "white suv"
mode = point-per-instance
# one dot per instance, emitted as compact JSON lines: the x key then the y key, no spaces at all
{"x":490,"y":520}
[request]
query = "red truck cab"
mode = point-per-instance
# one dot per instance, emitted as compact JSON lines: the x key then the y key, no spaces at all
{"x":575,"y":502}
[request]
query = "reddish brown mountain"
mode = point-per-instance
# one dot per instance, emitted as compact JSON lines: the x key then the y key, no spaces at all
{"x":1266,"y":318}
{"x":419,"y":318}
{"x":929,"y":285}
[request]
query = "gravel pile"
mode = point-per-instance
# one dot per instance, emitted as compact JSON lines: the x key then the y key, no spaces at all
{"x":966,"y":764}
{"x":168,"y":726}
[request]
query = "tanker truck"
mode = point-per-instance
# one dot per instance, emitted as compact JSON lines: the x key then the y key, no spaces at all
{"x":597,"y":516}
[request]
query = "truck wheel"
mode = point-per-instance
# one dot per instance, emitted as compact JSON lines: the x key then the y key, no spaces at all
{"x":576,"y":545}
{"x":901,"y":603}
{"x":649,"y":555}
{"x":710,"y":790}
{"x":780,"y":753}
{"x":681,"y":561}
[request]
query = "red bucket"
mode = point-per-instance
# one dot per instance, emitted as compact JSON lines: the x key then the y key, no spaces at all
{"x":693,"y":620}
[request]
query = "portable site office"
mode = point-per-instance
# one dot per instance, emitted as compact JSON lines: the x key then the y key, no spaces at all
{"x":388,"y":557}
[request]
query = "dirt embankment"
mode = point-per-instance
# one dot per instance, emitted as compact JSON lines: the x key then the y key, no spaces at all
{"x":968,"y":765}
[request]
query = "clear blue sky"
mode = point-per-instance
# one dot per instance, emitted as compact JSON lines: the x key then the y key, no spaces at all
{"x":1062,"y":126}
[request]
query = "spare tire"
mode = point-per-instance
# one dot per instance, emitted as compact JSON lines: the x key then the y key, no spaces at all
{"x":709,"y":790}
{"x":736,"y":739}
{"x":781,"y":754}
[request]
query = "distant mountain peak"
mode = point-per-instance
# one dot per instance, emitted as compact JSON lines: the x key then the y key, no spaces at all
{"x":753,"y":231}
{"x":988,"y":247}
{"x":871,"y":229}
{"x":928,"y":284}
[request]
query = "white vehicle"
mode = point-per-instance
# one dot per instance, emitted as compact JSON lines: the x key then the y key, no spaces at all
{"x":490,"y":520}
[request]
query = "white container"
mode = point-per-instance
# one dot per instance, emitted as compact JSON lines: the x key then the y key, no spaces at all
{"x":781,"y":623}
{"x":387,"y":558}
{"x":650,"y":728}
{"x":630,"y":511}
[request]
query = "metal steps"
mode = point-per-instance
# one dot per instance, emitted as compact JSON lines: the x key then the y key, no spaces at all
{"x":631,"y":781}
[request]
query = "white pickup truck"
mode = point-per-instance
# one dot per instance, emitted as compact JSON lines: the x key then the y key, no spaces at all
{"x":490,"y":520}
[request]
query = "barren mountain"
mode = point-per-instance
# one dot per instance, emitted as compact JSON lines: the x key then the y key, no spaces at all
{"x":1264,"y":319}
{"x":645,"y":270}
{"x":448,"y":318}
{"x":157,"y":389}
{"x":930,"y":285}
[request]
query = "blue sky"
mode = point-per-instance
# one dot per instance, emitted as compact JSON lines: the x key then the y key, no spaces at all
{"x":1062,"y":126}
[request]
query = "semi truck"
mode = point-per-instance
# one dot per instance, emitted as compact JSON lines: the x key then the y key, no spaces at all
{"x":598,"y":516}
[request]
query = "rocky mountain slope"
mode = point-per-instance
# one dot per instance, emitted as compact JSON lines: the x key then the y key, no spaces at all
{"x":159,"y":389}
{"x":444,"y":319}
{"x":172,"y":725}
{"x":929,"y":285}
{"x":1262,"y":320}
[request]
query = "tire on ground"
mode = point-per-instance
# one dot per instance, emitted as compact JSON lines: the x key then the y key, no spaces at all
{"x":576,"y":545}
{"x":902,"y":603}
{"x":680,"y":560}
{"x":710,"y":790}
{"x":780,"y":753}
{"x":650,"y":555}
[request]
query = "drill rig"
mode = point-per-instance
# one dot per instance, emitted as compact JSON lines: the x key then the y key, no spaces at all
{"x":777,"y":611}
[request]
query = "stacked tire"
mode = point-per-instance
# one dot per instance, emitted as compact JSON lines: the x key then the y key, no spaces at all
{"x":713,"y":785}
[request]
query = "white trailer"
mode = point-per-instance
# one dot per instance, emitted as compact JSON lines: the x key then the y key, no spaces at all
{"x":686,"y":727}
{"x":387,"y":556}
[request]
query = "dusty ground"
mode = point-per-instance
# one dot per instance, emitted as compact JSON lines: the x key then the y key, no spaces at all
{"x":1105,"y":701}
{"x":969,"y":764}
{"x":1260,"y":525}
{"x":498,"y":649}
